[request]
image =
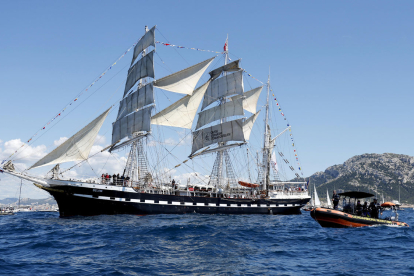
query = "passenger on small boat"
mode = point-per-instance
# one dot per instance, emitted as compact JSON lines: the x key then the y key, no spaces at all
{"x":358,"y":208}
{"x":335,"y":199}
{"x":373,"y":208}
{"x":365,"y":209}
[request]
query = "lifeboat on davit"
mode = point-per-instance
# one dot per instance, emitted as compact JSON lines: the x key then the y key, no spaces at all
{"x":249,"y":185}
{"x":353,"y":215}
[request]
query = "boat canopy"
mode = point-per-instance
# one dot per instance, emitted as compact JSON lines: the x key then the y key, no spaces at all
{"x":356,"y":194}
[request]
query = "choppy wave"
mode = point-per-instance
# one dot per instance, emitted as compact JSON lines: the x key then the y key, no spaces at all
{"x":42,"y":243}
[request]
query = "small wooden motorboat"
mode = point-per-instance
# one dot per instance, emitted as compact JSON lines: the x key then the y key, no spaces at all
{"x":351,"y":216}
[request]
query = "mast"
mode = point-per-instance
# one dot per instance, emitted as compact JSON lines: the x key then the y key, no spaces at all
{"x":136,"y":167}
{"x":266,"y":141}
{"x":218,"y":164}
{"x":144,"y":52}
{"x":20,"y":193}
{"x":222,"y":101}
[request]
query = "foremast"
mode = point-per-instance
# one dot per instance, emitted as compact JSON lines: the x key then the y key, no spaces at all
{"x":134,"y":116}
{"x":136,"y":168}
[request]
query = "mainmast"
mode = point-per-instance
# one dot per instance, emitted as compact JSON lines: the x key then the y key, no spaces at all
{"x":217,"y":171}
{"x":222,"y":101}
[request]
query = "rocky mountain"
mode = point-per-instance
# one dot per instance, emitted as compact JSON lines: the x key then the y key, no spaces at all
{"x":27,"y":201}
{"x":383,"y":173}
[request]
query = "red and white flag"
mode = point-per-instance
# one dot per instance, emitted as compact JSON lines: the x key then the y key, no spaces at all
{"x":225,"y":45}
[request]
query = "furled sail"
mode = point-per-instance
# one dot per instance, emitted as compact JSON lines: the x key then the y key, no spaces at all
{"x":185,"y":80}
{"x":182,"y":112}
{"x":225,"y":86}
{"x":134,"y":122}
{"x":143,"y":68}
{"x":230,"y":67}
{"x":148,"y":39}
{"x":228,"y":131}
{"x":136,"y":100}
{"x":251,"y":98}
{"x":76,"y":147}
{"x":227,"y":109}
{"x":248,"y":125}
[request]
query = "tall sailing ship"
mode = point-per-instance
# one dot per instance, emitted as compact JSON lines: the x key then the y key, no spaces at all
{"x":220,"y":134}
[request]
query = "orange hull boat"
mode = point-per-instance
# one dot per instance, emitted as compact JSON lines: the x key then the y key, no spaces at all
{"x":338,"y":219}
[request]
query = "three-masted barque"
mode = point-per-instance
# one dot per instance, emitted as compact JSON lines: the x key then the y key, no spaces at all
{"x":221,"y":127}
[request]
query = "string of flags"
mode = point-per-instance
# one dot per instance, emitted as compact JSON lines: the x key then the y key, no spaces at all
{"x":77,"y":97}
{"x":291,"y":136}
{"x":198,"y":49}
{"x":253,"y":77}
{"x":182,"y":47}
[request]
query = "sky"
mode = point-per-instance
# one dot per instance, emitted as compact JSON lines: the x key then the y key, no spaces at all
{"x":341,"y":70}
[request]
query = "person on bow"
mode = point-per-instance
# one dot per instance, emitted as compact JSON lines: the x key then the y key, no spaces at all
{"x":335,"y":200}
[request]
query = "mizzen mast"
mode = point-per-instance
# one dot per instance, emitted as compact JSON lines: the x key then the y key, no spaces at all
{"x":266,"y":146}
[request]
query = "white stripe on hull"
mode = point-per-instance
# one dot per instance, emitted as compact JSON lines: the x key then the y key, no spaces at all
{"x":198,"y":204}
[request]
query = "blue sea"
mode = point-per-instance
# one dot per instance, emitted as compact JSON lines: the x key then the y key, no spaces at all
{"x":43,"y":244}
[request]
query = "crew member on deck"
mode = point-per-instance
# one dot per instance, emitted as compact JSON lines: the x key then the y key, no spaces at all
{"x":173,"y":183}
{"x":335,"y":200}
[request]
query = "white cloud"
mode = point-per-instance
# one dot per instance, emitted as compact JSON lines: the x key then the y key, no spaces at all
{"x":25,"y":154}
{"x":102,"y":162}
{"x":183,"y":139}
{"x":194,"y":178}
{"x":100,"y":140}
{"x":60,"y":141}
{"x":10,"y":187}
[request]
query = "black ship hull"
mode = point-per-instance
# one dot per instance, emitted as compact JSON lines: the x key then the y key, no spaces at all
{"x":88,"y":201}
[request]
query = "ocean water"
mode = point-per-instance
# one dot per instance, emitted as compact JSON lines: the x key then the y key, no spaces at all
{"x":44,"y":244}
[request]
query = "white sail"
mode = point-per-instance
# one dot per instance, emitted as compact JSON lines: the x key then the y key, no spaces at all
{"x":136,"y":100}
{"x":143,"y":68}
{"x":148,"y":39}
{"x":274,"y":163}
{"x":76,"y":147}
{"x":227,"y":109}
{"x":134,"y":122}
{"x":251,"y":98}
{"x":317,"y":201}
{"x":182,"y":112}
{"x":248,"y":125}
{"x":225,"y":86}
{"x":228,"y":131}
{"x":328,"y":199}
{"x":185,"y":80}
{"x":230,"y":67}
